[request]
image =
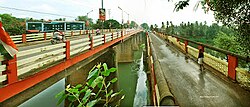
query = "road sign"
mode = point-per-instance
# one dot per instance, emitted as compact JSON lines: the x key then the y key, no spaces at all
{"x":102,"y":14}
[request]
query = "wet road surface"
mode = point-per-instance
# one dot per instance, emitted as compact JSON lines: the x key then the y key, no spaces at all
{"x":193,"y":88}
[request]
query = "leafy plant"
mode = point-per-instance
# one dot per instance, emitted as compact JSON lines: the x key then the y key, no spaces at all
{"x":96,"y":90}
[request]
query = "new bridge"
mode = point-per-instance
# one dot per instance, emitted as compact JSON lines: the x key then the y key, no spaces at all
{"x":174,"y":75}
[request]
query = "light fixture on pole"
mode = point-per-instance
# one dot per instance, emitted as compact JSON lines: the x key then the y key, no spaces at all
{"x":89,"y":12}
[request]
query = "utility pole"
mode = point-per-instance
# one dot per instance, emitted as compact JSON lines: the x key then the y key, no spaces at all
{"x":128,"y":17}
{"x":103,"y":20}
{"x":102,"y":4}
{"x":122,"y":15}
{"x":87,"y":22}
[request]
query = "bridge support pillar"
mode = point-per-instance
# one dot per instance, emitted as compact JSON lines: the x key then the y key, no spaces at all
{"x":232,"y":64}
{"x":80,"y":73}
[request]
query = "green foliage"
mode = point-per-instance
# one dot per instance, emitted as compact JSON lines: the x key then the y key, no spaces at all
{"x":181,"y":4}
{"x":85,"y":18}
{"x":13,"y":25}
{"x":111,"y":23}
{"x":232,"y":13}
{"x":106,"y":24}
{"x":227,"y":42}
{"x":145,"y":26}
{"x":96,"y":90}
{"x":133,"y":24}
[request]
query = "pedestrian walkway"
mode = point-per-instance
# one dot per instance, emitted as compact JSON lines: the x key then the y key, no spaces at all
{"x":193,"y":88}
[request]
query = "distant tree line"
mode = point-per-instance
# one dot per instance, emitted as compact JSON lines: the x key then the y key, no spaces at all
{"x":15,"y":26}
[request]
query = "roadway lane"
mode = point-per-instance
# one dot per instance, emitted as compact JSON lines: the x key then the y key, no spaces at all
{"x":193,"y":88}
{"x":36,"y":44}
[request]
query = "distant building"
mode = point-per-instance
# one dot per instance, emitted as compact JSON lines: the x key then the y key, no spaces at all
{"x":51,"y":26}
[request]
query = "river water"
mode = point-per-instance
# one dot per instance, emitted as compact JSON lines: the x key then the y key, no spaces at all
{"x":141,"y":87}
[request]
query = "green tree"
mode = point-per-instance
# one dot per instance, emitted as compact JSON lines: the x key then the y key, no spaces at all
{"x":13,"y":25}
{"x":85,"y":19}
{"x":227,"y":42}
{"x":111,"y":23}
{"x":232,"y":13}
{"x":151,"y":27}
{"x":133,"y":24}
{"x":156,"y":27}
{"x":163,"y":27}
{"x":145,"y":26}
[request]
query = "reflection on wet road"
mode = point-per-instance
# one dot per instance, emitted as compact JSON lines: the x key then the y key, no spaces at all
{"x":193,"y":88}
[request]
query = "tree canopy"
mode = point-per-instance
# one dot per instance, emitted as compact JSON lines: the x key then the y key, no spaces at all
{"x":13,"y":25}
{"x":233,"y":13}
{"x":145,"y":26}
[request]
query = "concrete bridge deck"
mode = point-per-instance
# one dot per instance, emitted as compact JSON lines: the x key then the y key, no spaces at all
{"x":193,"y":88}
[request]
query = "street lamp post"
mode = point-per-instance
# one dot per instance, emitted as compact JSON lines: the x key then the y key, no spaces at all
{"x":122,"y":16}
{"x":87,"y":22}
{"x":128,"y":16}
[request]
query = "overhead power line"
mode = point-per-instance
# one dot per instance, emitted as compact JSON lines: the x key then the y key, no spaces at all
{"x":35,"y":11}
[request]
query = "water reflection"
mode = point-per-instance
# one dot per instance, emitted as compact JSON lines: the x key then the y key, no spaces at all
{"x":141,"y":88}
{"x":46,"y":98}
{"x":201,"y":81}
{"x":186,"y":58}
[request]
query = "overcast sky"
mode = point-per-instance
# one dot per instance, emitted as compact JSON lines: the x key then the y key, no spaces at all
{"x":149,"y":11}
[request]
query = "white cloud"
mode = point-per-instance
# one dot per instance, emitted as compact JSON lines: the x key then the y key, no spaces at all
{"x":149,"y":11}
{"x":45,"y":8}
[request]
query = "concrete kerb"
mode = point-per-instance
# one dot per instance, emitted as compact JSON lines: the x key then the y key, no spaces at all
{"x":166,"y":97}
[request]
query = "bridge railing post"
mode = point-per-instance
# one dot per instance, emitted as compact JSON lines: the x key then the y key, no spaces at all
{"x":72,"y":33}
{"x":177,"y":39}
{"x":44,"y":35}
{"x":11,"y":70}
{"x":122,"y":33}
{"x":232,"y":64}
{"x":112,"y":36}
{"x":91,"y":41}
{"x":80,"y":32}
{"x":186,"y":44}
{"x":201,"y":47}
{"x":67,"y":52}
{"x":86,"y":31}
{"x":24,"y":38}
{"x":104,"y":38}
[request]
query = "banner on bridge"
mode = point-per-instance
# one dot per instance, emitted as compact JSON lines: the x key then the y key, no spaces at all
{"x":102,"y":14}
